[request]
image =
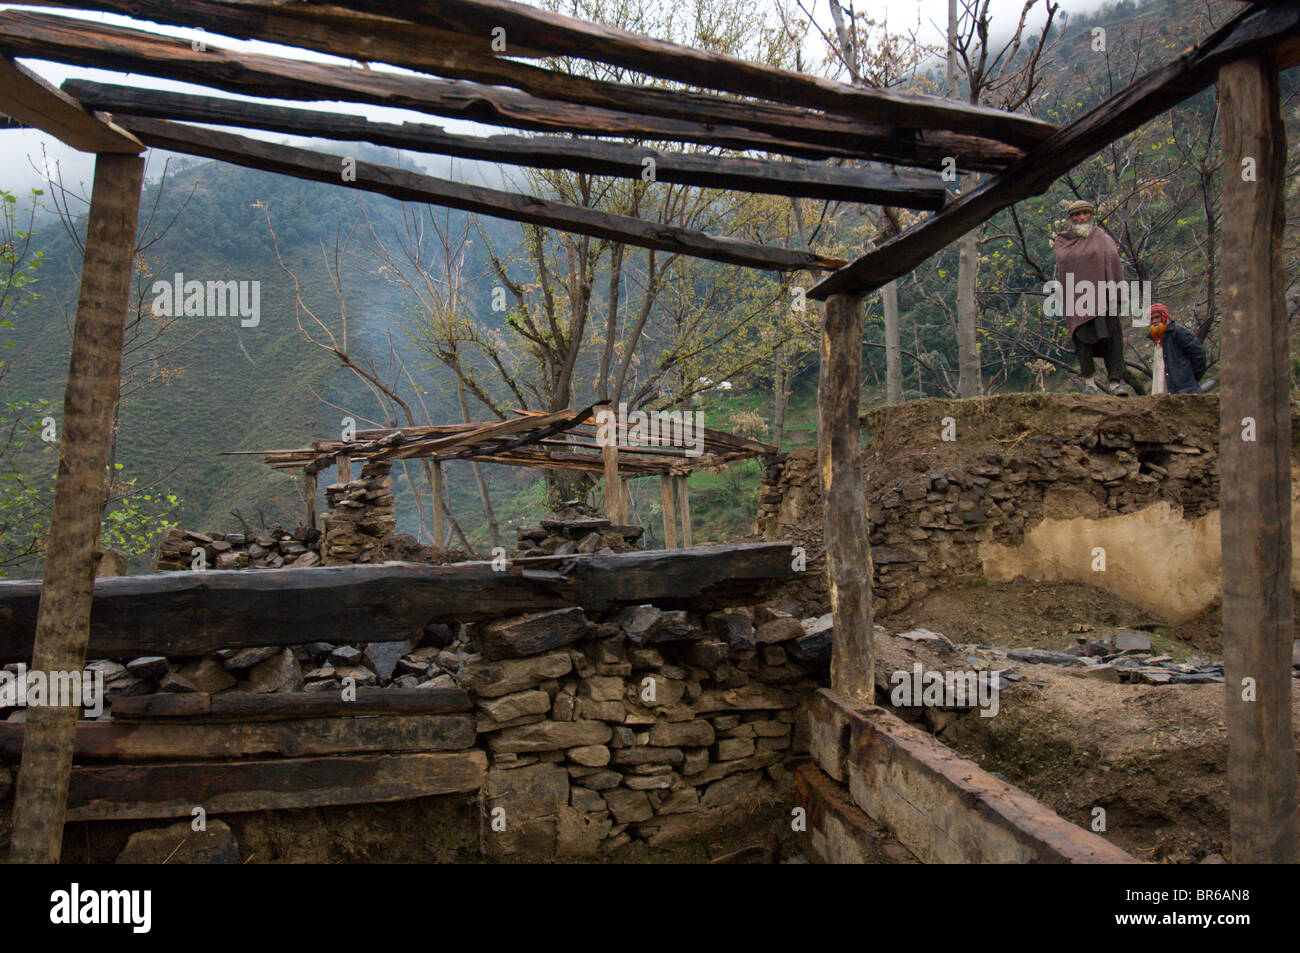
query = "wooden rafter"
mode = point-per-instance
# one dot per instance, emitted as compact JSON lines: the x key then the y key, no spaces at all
{"x":399,"y":43}
{"x":904,"y":189}
{"x":533,"y":32}
{"x":85,"y":43}
{"x":30,"y":101}
{"x":413,"y":187}
{"x":526,"y":439}
{"x":1249,"y":33}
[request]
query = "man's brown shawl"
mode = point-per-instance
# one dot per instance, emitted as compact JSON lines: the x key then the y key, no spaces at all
{"x":1093,"y":259}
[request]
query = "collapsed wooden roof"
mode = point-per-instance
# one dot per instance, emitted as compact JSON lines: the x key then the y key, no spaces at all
{"x":563,"y":440}
{"x":804,"y":135}
{"x":788,"y":133}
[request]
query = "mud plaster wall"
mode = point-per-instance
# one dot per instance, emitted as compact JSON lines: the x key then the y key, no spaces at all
{"x":1028,"y":488}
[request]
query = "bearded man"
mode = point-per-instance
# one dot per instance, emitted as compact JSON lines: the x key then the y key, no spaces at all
{"x":1086,"y":256}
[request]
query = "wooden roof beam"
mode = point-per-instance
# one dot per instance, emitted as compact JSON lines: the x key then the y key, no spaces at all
{"x":30,"y":101}
{"x":529,"y":30}
{"x":399,"y":43}
{"x":1251,"y":32}
{"x":409,"y":186}
{"x":86,"y":43}
{"x":903,"y":189}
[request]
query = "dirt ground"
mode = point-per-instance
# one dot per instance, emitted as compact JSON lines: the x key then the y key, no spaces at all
{"x":1024,"y":614}
{"x":1152,"y":757}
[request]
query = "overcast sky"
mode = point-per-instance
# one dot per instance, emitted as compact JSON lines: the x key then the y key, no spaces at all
{"x":22,"y":150}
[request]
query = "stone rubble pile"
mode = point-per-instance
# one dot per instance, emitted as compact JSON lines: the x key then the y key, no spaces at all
{"x":770,"y":492}
{"x":273,"y":549}
{"x":576,"y":528}
{"x":360,"y":521}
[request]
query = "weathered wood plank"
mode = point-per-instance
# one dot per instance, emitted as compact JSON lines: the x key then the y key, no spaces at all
{"x":1249,"y":33}
{"x":554,"y":34}
{"x":192,"y":613}
{"x":83,"y":42}
{"x":298,"y":738}
{"x":945,"y":808}
{"x":410,"y":186}
{"x":400,"y":43}
{"x":668,"y":497}
{"x":250,"y":706}
{"x":1255,"y":473}
{"x":58,"y":630}
{"x":848,"y":554}
{"x":838,"y":830}
{"x":919,"y":148}
{"x":138,"y":791}
{"x":27,"y":99}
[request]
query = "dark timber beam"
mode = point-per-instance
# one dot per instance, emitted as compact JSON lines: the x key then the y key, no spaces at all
{"x":181,"y":614}
{"x":848,"y":554}
{"x":414,"y":187}
{"x":30,"y":101}
{"x":1249,"y":33}
{"x":1255,"y":470}
{"x":399,"y":43}
{"x":869,"y":186}
{"x":70,"y":40}
{"x":62,"y":623}
{"x":530,"y":31}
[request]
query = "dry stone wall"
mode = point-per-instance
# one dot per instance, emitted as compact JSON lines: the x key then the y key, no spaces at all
{"x":945,"y":480}
{"x":636,"y":724}
{"x":644,"y":725}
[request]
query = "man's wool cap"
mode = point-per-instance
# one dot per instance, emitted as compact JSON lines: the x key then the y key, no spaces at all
{"x":1083,"y":205}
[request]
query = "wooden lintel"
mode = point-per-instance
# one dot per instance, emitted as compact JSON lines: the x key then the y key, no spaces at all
{"x":174,"y":789}
{"x":179,"y":614}
{"x":135,"y":741}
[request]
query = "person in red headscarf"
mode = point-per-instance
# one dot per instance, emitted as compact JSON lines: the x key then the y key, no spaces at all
{"x":1184,"y":356}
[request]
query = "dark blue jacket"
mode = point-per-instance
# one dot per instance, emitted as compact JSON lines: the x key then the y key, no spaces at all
{"x":1184,"y":360}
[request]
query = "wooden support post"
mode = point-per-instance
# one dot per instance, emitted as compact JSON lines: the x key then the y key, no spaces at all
{"x":670,"y":511}
{"x":343,"y":466}
{"x":625,"y":499}
{"x":309,"y":491}
{"x":607,"y":437}
{"x":848,"y":556}
{"x":684,"y":505}
{"x":1255,"y":471}
{"x":439,"y":539}
{"x":63,"y":619}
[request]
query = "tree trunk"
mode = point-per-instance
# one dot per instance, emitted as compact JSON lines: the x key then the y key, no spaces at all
{"x":1255,"y":474}
{"x":63,"y":619}
{"x":494,"y":531}
{"x":780,"y":397}
{"x":893,"y":345}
